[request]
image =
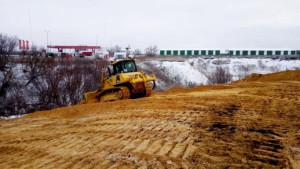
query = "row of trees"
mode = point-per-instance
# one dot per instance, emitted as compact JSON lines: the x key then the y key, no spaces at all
{"x":30,"y":82}
{"x":149,"y":51}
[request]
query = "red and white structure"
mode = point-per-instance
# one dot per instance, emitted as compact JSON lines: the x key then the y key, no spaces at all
{"x":23,"y":44}
{"x":82,"y":50}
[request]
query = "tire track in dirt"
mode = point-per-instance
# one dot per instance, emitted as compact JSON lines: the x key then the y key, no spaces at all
{"x":253,"y":129}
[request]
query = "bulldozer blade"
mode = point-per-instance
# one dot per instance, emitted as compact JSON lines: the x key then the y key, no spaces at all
{"x":91,"y":97}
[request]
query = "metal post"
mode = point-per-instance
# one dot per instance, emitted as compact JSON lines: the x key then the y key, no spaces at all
{"x":47,"y":31}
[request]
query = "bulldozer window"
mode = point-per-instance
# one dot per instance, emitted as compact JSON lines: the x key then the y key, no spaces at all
{"x":118,"y":69}
{"x":108,"y":72}
{"x":129,"y":67}
{"x":124,"y":67}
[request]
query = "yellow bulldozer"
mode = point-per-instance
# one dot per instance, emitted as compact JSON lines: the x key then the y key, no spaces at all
{"x":121,"y":80}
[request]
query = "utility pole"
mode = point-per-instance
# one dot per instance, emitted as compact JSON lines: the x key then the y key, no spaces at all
{"x":47,"y":32}
{"x":97,"y":39}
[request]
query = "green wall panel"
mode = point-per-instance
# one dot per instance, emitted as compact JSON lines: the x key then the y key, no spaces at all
{"x":203,"y":52}
{"x":293,"y":52}
{"x":285,"y":52}
{"x":182,"y":52}
{"x":261,"y":52}
{"x":231,"y":52}
{"x":162,"y":52}
{"x":196,"y":52}
{"x":252,"y":52}
{"x":169,"y":52}
{"x":237,"y":52}
{"x":245,"y":52}
{"x":210,"y":52}
{"x":269,"y":52}
{"x":189,"y":52}
{"x":217,"y":52}
{"x":175,"y":52}
{"x":277,"y":52}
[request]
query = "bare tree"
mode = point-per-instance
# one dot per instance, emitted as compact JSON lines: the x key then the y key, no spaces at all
{"x":62,"y":82}
{"x":7,"y":46}
{"x":137,"y":52}
{"x":151,"y":51}
{"x":220,"y":75}
{"x":6,"y":78}
{"x":33,"y":64}
{"x":114,"y":49}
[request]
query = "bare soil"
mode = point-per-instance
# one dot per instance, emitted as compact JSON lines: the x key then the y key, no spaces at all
{"x":253,"y":123}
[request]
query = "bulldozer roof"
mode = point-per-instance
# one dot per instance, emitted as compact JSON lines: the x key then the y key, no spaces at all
{"x":121,"y":60}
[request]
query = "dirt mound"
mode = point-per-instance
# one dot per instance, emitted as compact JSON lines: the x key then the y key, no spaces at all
{"x":292,"y":75}
{"x":239,"y":125}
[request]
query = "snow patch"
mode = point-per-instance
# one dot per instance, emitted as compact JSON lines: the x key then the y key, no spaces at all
{"x":11,"y":117}
{"x":183,"y":72}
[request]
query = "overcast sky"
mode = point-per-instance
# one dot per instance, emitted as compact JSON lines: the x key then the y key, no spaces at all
{"x":169,"y":24}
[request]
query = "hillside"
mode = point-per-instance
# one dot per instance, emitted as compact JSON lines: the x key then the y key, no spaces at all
{"x":252,"y":123}
{"x":194,"y":71}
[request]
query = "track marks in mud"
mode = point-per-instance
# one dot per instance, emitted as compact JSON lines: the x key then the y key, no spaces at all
{"x":200,"y":131}
{"x":149,"y":141}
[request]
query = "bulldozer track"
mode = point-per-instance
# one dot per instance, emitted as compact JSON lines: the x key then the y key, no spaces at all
{"x":117,"y":96}
{"x":126,"y":92}
{"x":148,"y":89}
{"x":199,"y":131}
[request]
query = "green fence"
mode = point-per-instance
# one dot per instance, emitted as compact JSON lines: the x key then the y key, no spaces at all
{"x":231,"y":52}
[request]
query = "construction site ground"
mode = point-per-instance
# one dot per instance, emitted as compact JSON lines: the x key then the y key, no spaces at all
{"x":254,"y":123}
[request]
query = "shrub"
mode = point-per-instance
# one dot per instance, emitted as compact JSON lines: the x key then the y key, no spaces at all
{"x":220,"y":75}
{"x":49,"y":83}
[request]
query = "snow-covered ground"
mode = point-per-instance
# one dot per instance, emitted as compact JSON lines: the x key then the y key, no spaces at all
{"x":11,"y":117}
{"x":241,"y":67}
{"x":196,"y":71}
{"x":178,"y":71}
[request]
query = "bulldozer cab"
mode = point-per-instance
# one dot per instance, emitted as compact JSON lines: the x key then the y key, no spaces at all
{"x":119,"y":81}
{"x":124,"y":66}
